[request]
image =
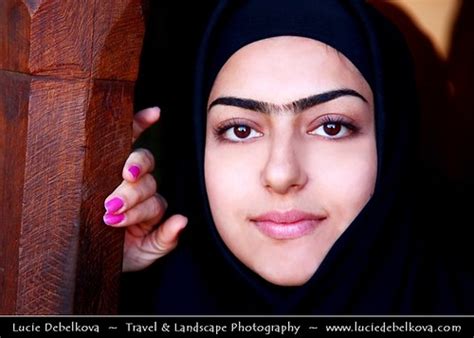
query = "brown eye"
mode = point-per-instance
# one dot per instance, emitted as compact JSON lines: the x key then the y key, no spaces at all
{"x":332,"y":129}
{"x":239,"y":133}
{"x":242,"y":131}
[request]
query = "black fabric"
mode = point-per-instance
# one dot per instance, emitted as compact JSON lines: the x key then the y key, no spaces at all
{"x":382,"y":264}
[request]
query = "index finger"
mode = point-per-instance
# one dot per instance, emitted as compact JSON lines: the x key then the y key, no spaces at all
{"x":144,"y":119}
{"x":141,"y":161}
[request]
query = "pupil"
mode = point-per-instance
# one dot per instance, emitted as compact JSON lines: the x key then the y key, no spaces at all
{"x":242,"y":131}
{"x":332,"y":129}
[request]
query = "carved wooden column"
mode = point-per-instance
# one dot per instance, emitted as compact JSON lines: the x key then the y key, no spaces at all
{"x":67,"y":72}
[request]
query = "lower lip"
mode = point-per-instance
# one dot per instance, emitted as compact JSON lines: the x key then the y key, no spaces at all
{"x":286,"y":230}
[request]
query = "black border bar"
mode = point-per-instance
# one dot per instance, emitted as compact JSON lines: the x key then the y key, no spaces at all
{"x":237,"y":326}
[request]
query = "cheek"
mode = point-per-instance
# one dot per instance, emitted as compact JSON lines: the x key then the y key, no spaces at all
{"x":346,"y":178}
{"x":231,"y":186}
{"x":230,"y":179}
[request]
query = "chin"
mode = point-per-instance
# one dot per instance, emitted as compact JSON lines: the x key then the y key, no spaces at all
{"x":286,"y":277}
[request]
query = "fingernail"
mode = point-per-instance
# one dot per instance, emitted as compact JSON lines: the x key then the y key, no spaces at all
{"x":165,"y":202}
{"x":184,"y":226}
{"x":113,"y":219}
{"x":114,"y":205}
{"x":134,"y":170}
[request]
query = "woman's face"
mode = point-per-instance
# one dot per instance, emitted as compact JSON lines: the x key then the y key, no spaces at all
{"x":290,"y":155}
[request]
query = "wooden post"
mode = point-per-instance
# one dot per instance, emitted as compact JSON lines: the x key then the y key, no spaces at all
{"x":67,"y":72}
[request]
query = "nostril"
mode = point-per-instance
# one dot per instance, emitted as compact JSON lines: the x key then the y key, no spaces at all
{"x":283,"y":171}
{"x":283,"y":178}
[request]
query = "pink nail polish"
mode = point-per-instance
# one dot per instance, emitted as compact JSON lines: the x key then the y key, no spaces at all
{"x":134,"y":170}
{"x":113,"y":219}
{"x":114,"y":205}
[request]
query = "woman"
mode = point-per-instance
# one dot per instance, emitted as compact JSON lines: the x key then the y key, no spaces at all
{"x":304,"y":114}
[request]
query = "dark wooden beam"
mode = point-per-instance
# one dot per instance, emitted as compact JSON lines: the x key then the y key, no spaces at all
{"x":67,"y":72}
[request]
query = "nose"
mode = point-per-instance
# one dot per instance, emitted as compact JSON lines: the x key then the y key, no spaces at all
{"x":283,"y":172}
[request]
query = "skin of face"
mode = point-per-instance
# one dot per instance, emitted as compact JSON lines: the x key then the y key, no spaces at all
{"x":320,"y":160}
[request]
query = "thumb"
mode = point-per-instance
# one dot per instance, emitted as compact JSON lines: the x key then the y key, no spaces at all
{"x":144,"y":119}
{"x":165,"y":238}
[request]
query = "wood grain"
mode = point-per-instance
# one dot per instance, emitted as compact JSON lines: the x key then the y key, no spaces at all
{"x":14,"y":91}
{"x":67,"y":72}
{"x":14,"y":35}
{"x":109,"y":132}
{"x":52,"y":195}
{"x":118,"y":37}
{"x":47,"y":37}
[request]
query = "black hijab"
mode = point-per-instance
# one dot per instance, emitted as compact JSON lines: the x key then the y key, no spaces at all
{"x":380,"y":264}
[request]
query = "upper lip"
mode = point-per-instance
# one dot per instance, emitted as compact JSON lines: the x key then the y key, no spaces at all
{"x":287,"y":217}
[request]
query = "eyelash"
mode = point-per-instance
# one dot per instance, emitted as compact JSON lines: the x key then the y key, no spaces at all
{"x":340,"y":120}
{"x":225,"y":126}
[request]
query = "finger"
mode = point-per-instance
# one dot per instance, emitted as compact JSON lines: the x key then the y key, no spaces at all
{"x":139,"y":162}
{"x":142,"y":251}
{"x":127,"y":195}
{"x":151,"y":209}
{"x":165,"y":238}
{"x":144,"y":119}
{"x":140,"y":230}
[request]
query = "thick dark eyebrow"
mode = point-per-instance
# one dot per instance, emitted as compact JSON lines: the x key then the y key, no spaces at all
{"x":294,"y":107}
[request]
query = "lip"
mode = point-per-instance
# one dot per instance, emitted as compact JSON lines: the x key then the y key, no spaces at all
{"x":287,"y":225}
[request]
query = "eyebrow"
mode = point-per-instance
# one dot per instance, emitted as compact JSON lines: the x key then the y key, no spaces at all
{"x":294,"y":107}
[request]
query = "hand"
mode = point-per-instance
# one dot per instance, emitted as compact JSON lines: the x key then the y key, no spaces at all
{"x":136,"y":205}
